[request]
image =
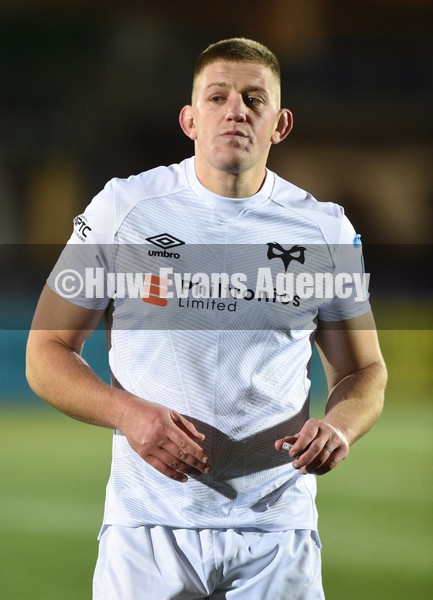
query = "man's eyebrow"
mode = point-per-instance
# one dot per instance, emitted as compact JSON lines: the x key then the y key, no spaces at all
{"x":217,"y":84}
{"x":247,"y":90}
{"x":257,"y":88}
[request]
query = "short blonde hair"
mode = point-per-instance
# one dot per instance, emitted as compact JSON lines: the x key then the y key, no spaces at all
{"x":238,"y":49}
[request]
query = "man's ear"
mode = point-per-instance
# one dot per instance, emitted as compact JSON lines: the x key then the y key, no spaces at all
{"x":186,"y":121}
{"x":284,"y":126}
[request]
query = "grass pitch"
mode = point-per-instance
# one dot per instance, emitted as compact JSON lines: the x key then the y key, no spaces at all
{"x":376,"y":512}
{"x":375,"y":509}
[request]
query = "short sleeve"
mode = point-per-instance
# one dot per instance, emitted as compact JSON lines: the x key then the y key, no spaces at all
{"x":351,"y":297}
{"x":79,"y":274}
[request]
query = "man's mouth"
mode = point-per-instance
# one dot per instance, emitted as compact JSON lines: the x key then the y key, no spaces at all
{"x":234,"y":133}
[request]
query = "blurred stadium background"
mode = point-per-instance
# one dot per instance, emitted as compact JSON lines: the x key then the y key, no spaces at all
{"x":91,"y":90}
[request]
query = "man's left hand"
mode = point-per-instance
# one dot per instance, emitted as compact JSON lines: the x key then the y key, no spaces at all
{"x":318,"y":448}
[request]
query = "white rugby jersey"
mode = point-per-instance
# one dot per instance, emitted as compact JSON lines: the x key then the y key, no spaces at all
{"x":238,"y":367}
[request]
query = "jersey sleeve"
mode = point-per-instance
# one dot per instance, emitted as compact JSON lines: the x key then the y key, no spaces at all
{"x":79,"y":275}
{"x":351,"y":297}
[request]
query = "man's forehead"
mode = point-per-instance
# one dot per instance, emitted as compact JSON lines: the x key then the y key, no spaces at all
{"x":228,"y":72}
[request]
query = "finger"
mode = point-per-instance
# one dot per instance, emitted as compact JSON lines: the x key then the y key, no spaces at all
{"x":290,"y":439}
{"x":177,"y":464}
{"x":317,"y":453}
{"x":186,"y":449}
{"x":172,"y":452}
{"x":166,"y":470}
{"x":305,"y":437}
{"x":325,"y":461}
{"x":334,"y":459}
{"x":186,"y":426}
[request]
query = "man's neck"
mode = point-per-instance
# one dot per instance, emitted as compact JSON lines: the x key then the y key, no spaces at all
{"x":230,"y":185}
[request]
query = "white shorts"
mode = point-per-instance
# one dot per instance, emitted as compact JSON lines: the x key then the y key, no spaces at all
{"x":160,"y":563}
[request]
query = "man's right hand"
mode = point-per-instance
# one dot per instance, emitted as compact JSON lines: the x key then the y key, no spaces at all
{"x":164,"y":438}
{"x":58,"y":374}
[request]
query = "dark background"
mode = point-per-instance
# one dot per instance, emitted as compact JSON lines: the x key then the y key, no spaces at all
{"x":92,"y":89}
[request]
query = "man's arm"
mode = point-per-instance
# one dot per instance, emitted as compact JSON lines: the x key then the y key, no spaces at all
{"x":356,"y":376}
{"x":58,"y":374}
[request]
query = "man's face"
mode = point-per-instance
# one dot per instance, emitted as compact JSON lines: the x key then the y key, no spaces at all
{"x":234,"y":115}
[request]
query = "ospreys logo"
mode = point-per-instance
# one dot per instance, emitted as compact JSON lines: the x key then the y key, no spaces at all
{"x":296,"y":253}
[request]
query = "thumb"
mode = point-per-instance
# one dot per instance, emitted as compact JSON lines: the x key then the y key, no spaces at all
{"x":290,"y":439}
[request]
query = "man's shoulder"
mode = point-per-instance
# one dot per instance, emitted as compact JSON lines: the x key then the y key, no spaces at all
{"x":120,"y":196}
{"x":153,"y":183}
{"x":292,"y":197}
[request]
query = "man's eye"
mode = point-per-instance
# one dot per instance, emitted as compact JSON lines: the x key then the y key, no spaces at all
{"x":216,"y":99}
{"x":252,"y":100}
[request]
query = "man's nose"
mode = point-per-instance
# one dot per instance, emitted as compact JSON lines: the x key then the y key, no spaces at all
{"x":236,"y":109}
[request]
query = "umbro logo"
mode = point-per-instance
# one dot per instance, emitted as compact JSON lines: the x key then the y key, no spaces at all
{"x":296,"y":253}
{"x":165,"y":240}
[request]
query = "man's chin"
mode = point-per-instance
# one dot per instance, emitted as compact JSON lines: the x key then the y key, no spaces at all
{"x":233,"y":164}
